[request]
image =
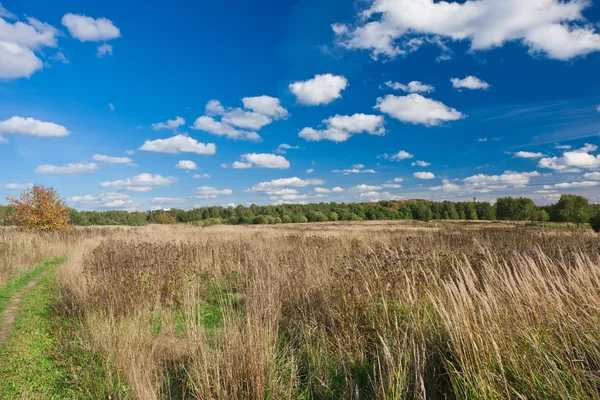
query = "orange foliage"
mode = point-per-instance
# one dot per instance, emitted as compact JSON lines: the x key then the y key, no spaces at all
{"x":39,"y":208}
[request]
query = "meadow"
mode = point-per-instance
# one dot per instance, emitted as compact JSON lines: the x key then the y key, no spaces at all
{"x":380,"y":310}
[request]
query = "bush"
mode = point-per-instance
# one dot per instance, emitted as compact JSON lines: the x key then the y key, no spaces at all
{"x":212,"y":221}
{"x":314,"y":216}
{"x":39,"y":208}
{"x":245,"y":221}
{"x":286,"y":219}
{"x":163,"y":218}
{"x":299,"y":219}
{"x":595,"y":223}
{"x":261,"y":220}
{"x":332,"y":216}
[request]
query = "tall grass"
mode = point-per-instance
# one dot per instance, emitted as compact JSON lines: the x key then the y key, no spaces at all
{"x":278,"y":313}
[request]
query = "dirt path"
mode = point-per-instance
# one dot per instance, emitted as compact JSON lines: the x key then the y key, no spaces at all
{"x":7,"y":321}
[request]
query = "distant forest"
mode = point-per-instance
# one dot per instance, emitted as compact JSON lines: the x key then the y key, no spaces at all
{"x":570,"y":208}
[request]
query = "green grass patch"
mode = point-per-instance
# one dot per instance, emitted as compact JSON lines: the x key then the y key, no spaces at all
{"x":45,"y":358}
{"x":22,"y":280}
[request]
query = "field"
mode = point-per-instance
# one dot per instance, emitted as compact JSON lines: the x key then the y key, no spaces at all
{"x":382,"y":310}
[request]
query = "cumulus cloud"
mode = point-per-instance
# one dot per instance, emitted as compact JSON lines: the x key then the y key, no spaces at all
{"x":187,"y":164}
{"x":111,"y":160}
{"x":416,"y":109}
{"x":285,"y":182}
{"x":257,"y":113}
{"x":508,"y":178}
{"x":355,"y":169}
{"x":17,"y":186}
{"x":447,"y":187}
{"x":208,"y":192}
{"x":470,"y":82}
{"x":284,"y":147}
{"x":572,"y":185}
{"x":592,"y":175}
{"x":527,"y":154}
{"x":179,"y":144}
{"x":420,"y":163}
{"x":32,"y":127}
{"x":396,"y":180}
{"x":201,"y":176}
{"x":88,"y":29}
{"x":554,"y":28}
{"x":320,"y":90}
{"x":341,"y":127}
{"x":104,"y":201}
{"x":67,"y":169}
{"x":141,"y":183}
{"x":322,"y":190}
{"x":172,"y":124}
{"x":424,"y":175}
{"x":375,"y":196}
{"x":262,"y":160}
{"x":365,"y":188}
{"x":411,"y":87}
{"x":574,"y":160}
{"x":337,"y":189}
{"x":399,"y":156}
{"x":266,"y":105}
{"x":19,"y":42}
{"x":104,"y":50}
{"x":392,"y":186}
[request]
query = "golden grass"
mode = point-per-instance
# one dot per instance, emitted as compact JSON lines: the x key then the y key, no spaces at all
{"x":347,"y":311}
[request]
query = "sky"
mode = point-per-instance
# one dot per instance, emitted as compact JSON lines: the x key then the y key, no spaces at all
{"x":145,"y":105}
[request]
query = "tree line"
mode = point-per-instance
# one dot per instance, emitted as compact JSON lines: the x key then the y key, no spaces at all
{"x":570,"y":209}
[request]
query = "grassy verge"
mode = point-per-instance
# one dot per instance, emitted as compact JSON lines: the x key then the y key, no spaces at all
{"x":19,"y":282}
{"x":43,"y":357}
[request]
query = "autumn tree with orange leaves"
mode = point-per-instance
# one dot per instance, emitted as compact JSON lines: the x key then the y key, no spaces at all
{"x":39,"y":208}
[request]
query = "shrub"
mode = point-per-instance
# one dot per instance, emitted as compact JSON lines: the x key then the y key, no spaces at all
{"x":212,"y":221}
{"x":261,"y":220}
{"x":245,"y":221}
{"x":595,"y":223}
{"x":314,"y":216}
{"x":39,"y":208}
{"x":299,"y":219}
{"x":286,"y":219}
{"x":163,"y":218}
{"x":332,"y":216}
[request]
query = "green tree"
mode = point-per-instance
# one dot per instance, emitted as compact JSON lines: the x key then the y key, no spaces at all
{"x":573,"y":209}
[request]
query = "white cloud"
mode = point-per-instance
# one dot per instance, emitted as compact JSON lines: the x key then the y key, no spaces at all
{"x":355,"y":169}
{"x":111,"y":160}
{"x":396,"y":180}
{"x":572,"y":185}
{"x":172,"y":124}
{"x":310,"y":171}
{"x":420,"y":163}
{"x":168,"y":200}
{"x":18,"y":43}
{"x":266,"y":105}
{"x":554,"y":28}
{"x":447,"y":186}
{"x":187,"y":164}
{"x":111,"y":106}
{"x":68,"y":169}
{"x":88,"y":29}
{"x":141,"y":183}
{"x":32,"y":127}
{"x":259,"y":111}
{"x":337,"y":189}
{"x":377,"y":196}
{"x":593,"y":176}
{"x":208,"y":192}
{"x":104,"y":50}
{"x":262,"y":160}
{"x":392,"y":186}
{"x":322,"y":190}
{"x":470,"y":82}
{"x":201,"y":176}
{"x":399,"y":156}
{"x":508,"y":178}
{"x":105,"y":200}
{"x":527,"y":154}
{"x":210,"y":125}
{"x":285,"y":182}
{"x":482,"y":140}
{"x":282,"y":148}
{"x":417,"y":109}
{"x":177,"y":144}
{"x":563,"y":147}
{"x":4,"y":13}
{"x":322,"y":89}
{"x":18,"y":186}
{"x":424,"y":175}
{"x":574,"y":160}
{"x":130,"y":152}
{"x":411,"y":87}
{"x":341,"y":127}
{"x":364,"y":188}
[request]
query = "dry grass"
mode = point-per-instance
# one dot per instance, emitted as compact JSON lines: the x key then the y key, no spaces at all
{"x":350,"y":311}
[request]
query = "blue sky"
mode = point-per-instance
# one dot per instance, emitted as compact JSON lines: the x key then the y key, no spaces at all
{"x":142,"y":105}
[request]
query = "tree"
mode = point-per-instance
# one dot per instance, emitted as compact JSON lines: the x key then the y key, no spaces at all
{"x":39,"y":208}
{"x":573,"y":208}
{"x":595,"y":222}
